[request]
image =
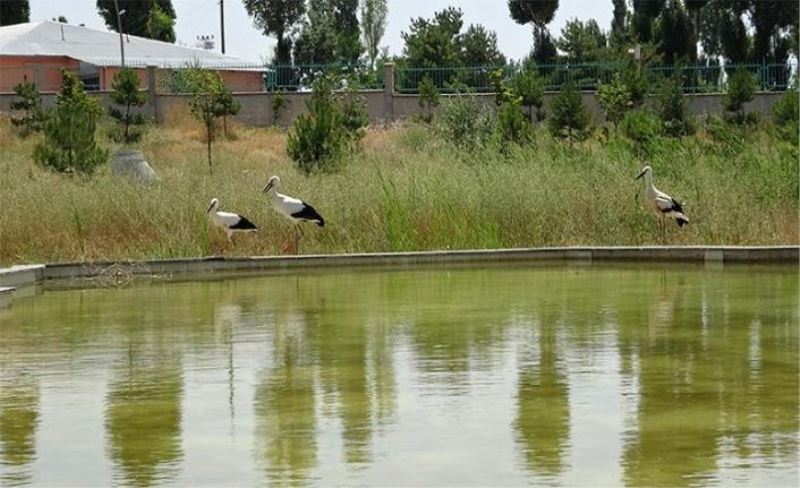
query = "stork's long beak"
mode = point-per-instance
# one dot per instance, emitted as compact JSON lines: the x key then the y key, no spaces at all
{"x":641,"y":174}
{"x":210,"y":207}
{"x":268,"y":187}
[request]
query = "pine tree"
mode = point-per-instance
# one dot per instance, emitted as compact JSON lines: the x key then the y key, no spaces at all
{"x":69,"y":131}
{"x":27,"y":113}
{"x":126,"y":92}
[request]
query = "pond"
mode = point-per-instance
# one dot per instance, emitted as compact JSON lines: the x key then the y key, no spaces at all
{"x":567,"y":375}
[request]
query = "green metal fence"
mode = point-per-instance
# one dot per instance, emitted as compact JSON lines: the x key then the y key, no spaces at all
{"x":588,"y":76}
{"x":301,"y":77}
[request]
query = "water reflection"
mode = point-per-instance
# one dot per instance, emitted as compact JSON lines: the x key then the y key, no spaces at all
{"x":19,"y":419}
{"x":143,"y":417}
{"x":542,"y":422}
{"x":350,"y":378}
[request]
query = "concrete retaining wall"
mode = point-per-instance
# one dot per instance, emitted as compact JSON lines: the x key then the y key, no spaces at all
{"x":713,"y":256}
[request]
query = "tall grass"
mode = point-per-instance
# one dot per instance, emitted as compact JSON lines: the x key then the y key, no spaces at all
{"x":407,"y":190}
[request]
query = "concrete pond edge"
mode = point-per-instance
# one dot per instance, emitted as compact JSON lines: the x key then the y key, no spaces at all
{"x":25,"y":275}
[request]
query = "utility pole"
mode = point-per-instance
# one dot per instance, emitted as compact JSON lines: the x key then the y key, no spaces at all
{"x":222,"y":22}
{"x":119,"y":28}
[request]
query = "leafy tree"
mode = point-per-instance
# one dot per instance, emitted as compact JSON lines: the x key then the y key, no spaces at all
{"x":348,"y":33}
{"x":373,"y":26}
{"x":568,"y":117}
{"x":582,"y":41}
{"x":160,"y":25}
{"x":14,"y":12}
{"x":136,"y":19}
{"x":69,"y":130}
{"x":539,"y":13}
{"x":694,"y":7}
{"x":620,"y":25}
{"x":317,"y":43}
{"x":675,"y":33}
{"x":722,"y":31}
{"x":479,"y":47}
{"x":636,"y":82}
{"x":615,"y":99}
{"x":741,"y":89}
{"x":207,"y":94}
{"x":673,"y":110}
{"x":434,"y":42}
{"x":27,"y":111}
{"x":512,"y":123}
{"x":644,"y":13}
{"x":61,"y":19}
{"x":126,"y":92}
{"x":277,"y":18}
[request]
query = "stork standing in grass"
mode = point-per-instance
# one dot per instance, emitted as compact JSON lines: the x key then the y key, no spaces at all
{"x":661,"y":204}
{"x":229,"y":222}
{"x":292,"y":208}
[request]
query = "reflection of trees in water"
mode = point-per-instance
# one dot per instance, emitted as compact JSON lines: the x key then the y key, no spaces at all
{"x":19,"y":419}
{"x":543,"y":418}
{"x":699,"y":386}
{"x":143,"y":417}
{"x":286,"y":430}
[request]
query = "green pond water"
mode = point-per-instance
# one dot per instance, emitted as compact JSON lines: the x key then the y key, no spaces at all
{"x":594,"y":376}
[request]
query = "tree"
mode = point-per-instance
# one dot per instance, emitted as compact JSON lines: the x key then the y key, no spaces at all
{"x":434,"y":42}
{"x":675,"y":33}
{"x":722,"y":31}
{"x":741,"y":89}
{"x":582,"y":41}
{"x":317,"y":43}
{"x":160,"y":25}
{"x":373,"y":26}
{"x":539,"y":13}
{"x":620,"y":36}
{"x":615,"y":99}
{"x":428,"y":99}
{"x":277,"y":18}
{"x":530,"y":87}
{"x":61,"y":19}
{"x":479,"y":47}
{"x":126,"y":92}
{"x":207,"y":93}
{"x":348,"y":33}
{"x":644,"y":13}
{"x":136,"y":19}
{"x":14,"y":12}
{"x":27,"y":111}
{"x":69,"y":130}
{"x":568,"y":117}
{"x":227,"y":106}
{"x":673,"y":110}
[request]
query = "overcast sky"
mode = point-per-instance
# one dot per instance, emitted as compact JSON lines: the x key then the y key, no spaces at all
{"x":201,"y":17}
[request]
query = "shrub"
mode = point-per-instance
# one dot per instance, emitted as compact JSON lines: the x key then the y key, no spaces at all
{"x":27,"y":112}
{"x":740,"y":90}
{"x":672,"y":109}
{"x":125,"y":92}
{"x":278,"y":104}
{"x":318,"y":137}
{"x":637,"y":83}
{"x":512,"y":123}
{"x":615,"y":99}
{"x":428,"y":99}
{"x":466,"y":122}
{"x":226,"y":106}
{"x":641,"y":126}
{"x":354,"y":114}
{"x":530,"y":87}
{"x":69,"y":130}
{"x":568,"y":116}
{"x":785,"y":115}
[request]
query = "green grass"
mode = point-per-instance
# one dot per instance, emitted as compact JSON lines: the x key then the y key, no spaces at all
{"x":407,"y":190}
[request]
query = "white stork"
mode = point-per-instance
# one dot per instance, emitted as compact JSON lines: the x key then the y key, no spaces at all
{"x":661,"y":204}
{"x":229,"y":222}
{"x":292,"y":208}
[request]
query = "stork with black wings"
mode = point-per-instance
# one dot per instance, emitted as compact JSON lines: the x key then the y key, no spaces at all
{"x":663,"y":205}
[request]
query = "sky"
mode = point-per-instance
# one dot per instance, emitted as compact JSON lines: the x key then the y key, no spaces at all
{"x":201,"y":17}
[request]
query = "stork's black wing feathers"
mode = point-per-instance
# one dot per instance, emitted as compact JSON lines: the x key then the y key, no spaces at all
{"x":677,"y":206}
{"x":244,"y":224}
{"x":310,"y":214}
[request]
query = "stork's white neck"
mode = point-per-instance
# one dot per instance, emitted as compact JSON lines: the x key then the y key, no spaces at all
{"x":648,"y":179}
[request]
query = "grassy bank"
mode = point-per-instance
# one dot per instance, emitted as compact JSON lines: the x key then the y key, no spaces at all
{"x":406,"y":190}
